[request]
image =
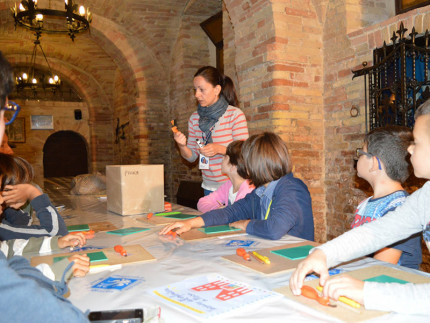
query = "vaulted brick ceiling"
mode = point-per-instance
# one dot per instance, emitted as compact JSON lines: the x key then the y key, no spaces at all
{"x":126,"y":36}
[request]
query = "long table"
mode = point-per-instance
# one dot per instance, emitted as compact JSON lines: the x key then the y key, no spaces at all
{"x":178,"y":260}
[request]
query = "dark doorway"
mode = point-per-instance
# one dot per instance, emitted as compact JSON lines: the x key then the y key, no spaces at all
{"x":65,"y":154}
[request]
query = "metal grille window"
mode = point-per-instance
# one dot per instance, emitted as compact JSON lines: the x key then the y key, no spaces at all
{"x":398,"y":82}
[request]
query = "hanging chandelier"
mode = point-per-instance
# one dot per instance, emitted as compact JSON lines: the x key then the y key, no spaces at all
{"x":33,"y":79}
{"x":73,"y":20}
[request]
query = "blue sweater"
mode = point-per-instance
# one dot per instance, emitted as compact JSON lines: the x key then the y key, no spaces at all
{"x":16,"y":224}
{"x":28,"y":296}
{"x":290,"y":212}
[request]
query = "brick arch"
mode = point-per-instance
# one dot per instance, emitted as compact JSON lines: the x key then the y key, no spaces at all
{"x":135,"y":60}
{"x":100,"y":110}
{"x":144,"y":77}
{"x":80,"y":79}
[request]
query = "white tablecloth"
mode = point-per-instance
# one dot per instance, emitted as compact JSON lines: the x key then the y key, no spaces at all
{"x":177,"y":261}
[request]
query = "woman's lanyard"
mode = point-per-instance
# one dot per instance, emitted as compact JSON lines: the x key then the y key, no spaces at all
{"x":205,"y":141}
{"x":268,"y":211}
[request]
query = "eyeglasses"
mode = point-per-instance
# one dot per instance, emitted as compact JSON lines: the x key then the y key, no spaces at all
{"x":13,"y":107}
{"x":359,"y":152}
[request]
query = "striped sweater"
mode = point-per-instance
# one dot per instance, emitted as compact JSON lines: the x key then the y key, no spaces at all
{"x":34,"y":246}
{"x":17,"y":224}
{"x":231,"y":126}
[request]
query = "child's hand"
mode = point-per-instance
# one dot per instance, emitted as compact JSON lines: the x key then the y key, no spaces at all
{"x":180,"y":138}
{"x":72,"y":240}
{"x":315,"y":262}
{"x":179,"y":227}
{"x":242,"y":224}
{"x":17,"y":195}
{"x":344,"y":285}
{"x":81,"y":266}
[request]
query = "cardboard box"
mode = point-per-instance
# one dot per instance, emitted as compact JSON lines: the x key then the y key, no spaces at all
{"x":135,"y":189}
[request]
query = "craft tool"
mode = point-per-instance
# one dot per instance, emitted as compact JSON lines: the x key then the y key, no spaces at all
{"x":344,"y":300}
{"x":309,"y":292}
{"x":220,"y":204}
{"x":120,"y":249}
{"x":174,"y":128}
{"x":264,"y":259}
{"x":149,"y":215}
{"x":242,"y":253}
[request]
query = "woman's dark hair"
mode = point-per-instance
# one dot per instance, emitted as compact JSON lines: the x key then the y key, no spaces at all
{"x":234,"y":153}
{"x":14,"y":170}
{"x":6,"y":79}
{"x":266,"y":158}
{"x":215,"y":77}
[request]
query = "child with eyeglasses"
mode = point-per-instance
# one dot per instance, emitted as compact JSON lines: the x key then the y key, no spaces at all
{"x":411,"y":217}
{"x":384,"y":164}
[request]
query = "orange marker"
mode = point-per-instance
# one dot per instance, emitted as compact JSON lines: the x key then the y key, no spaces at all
{"x":149,"y":215}
{"x":167,"y":207}
{"x":172,"y":233}
{"x":309,"y":292}
{"x":242,"y":253}
{"x":120,"y":249}
{"x":174,"y":128}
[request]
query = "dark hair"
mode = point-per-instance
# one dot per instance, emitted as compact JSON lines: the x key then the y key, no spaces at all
{"x":234,"y":152}
{"x":6,"y":79}
{"x":423,"y":109}
{"x":266,"y":158}
{"x":390,"y":145}
{"x":14,"y":170}
{"x":215,"y":77}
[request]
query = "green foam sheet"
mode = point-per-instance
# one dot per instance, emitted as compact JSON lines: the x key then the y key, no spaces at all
{"x":218,"y":229}
{"x":127,"y":231}
{"x":386,"y":279}
{"x":78,"y":227}
{"x":294,"y":253}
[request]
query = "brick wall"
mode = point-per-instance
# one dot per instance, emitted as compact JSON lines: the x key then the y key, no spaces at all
{"x":63,"y":116}
{"x":275,"y":49}
{"x":191,"y":52}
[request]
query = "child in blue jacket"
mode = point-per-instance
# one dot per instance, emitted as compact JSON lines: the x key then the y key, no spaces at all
{"x":280,"y":204}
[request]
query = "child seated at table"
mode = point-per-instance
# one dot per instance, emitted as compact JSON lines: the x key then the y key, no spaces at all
{"x":16,"y":189}
{"x":26,"y":293}
{"x":234,"y":189}
{"x":280,"y":204}
{"x":384,"y":164}
{"x":22,"y":247}
{"x":409,"y":218}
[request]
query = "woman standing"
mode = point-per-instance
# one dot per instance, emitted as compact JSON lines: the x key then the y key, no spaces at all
{"x":215,"y":124}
